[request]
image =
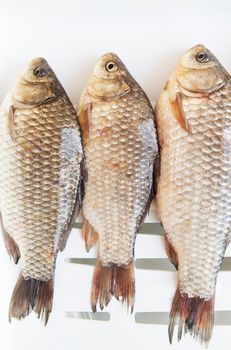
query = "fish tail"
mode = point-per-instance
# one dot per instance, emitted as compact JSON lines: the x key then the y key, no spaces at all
{"x":196,"y":317}
{"x":113,"y":280}
{"x":31,"y":294}
{"x":90,"y":236}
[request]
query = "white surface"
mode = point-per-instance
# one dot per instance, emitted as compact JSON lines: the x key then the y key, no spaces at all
{"x":149,"y":36}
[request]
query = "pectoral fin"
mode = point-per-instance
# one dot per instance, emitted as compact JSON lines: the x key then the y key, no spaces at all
{"x":178,"y":111}
{"x":10,"y":123}
{"x":84,"y":121}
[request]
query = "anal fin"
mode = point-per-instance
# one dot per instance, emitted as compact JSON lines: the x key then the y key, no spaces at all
{"x":11,"y":247}
{"x":89,"y":234}
{"x":172,"y":254}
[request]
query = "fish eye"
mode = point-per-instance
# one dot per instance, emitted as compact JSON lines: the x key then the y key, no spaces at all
{"x":39,"y":72}
{"x":111,"y":66}
{"x":202,"y":57}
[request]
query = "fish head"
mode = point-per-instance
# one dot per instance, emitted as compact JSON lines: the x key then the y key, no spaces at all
{"x":199,"y":71}
{"x":110,"y":78}
{"x":37,"y":84}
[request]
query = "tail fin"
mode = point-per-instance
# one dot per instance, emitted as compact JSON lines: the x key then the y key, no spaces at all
{"x":31,"y":294}
{"x":113,"y":280}
{"x":90,"y":236}
{"x":196,"y":317}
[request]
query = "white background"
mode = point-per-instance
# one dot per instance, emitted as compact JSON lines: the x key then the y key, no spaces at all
{"x":149,"y":36}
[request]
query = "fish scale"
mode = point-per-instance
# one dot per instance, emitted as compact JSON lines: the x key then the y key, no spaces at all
{"x":119,"y":138}
{"x":201,"y":156}
{"x":113,"y":195}
{"x":31,"y":190}
{"x":194,"y":187}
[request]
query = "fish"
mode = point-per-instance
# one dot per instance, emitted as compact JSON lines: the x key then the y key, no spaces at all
{"x":193,"y":118}
{"x":120,"y":147}
{"x":40,"y":182}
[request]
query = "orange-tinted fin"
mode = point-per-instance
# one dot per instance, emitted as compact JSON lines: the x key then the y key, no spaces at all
{"x":31,"y":294}
{"x":172,"y":254}
{"x":178,"y":112}
{"x":11,"y":126}
{"x":11,"y":247}
{"x":113,"y":280}
{"x":196,"y":317}
{"x":89,"y":234}
{"x":84,"y":121}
